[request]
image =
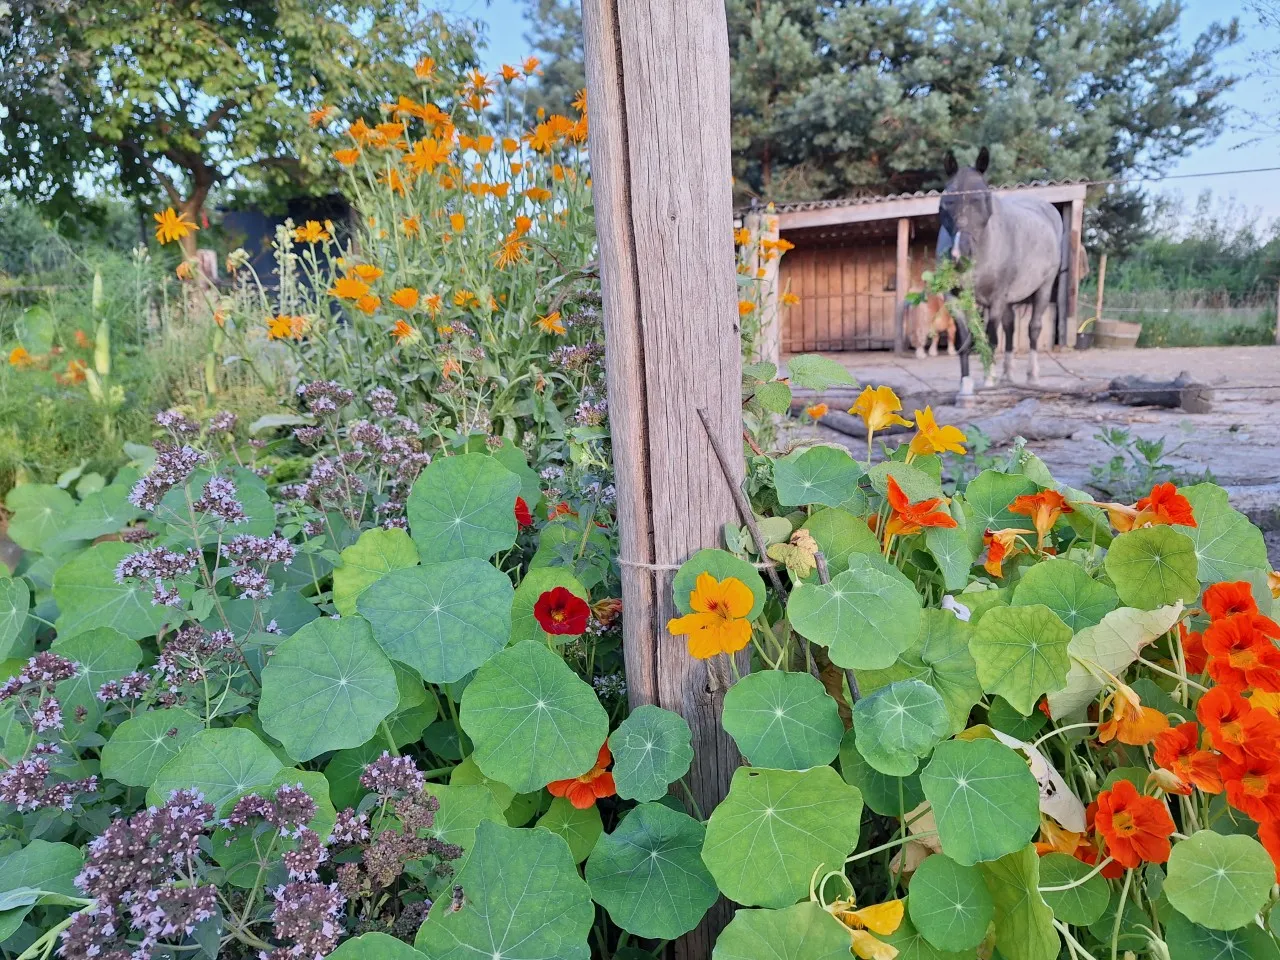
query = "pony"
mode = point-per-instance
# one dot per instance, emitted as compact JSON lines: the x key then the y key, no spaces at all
{"x":1017,"y":251}
{"x":930,"y":320}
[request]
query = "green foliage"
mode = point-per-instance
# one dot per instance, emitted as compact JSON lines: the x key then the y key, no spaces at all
{"x":651,"y":750}
{"x":783,"y":720}
{"x":898,"y":724}
{"x":1021,"y":653}
{"x":801,"y":932}
{"x":949,"y":904}
{"x":1217,"y":881}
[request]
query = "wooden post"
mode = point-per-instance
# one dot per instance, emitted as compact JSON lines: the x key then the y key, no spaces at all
{"x":901,"y":281}
{"x":1102,"y":286}
{"x":1278,"y":313}
{"x":658,"y":86}
{"x":1068,"y":325}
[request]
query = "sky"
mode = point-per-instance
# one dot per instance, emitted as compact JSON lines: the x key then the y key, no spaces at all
{"x":1258,"y":193}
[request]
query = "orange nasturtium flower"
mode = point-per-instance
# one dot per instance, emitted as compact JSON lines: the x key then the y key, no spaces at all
{"x":881,"y":918}
{"x":1236,"y":728}
{"x":1253,"y":786}
{"x":1001,"y":545}
{"x":20,"y":357}
{"x":935,"y":439}
{"x":878,"y":407}
{"x":312,"y":231}
{"x":718,"y":623}
{"x":173,"y":226}
{"x":593,"y":785}
{"x":349,"y":288}
{"x":907,"y":517}
{"x":551,"y":323}
{"x":1043,"y":508}
{"x":1178,"y":751}
{"x":1224,"y":600}
{"x":817,"y":410}
{"x":1241,"y":653}
{"x":1164,"y":505}
{"x":1136,"y":828}
{"x":406,"y":298}
{"x":1130,"y":722}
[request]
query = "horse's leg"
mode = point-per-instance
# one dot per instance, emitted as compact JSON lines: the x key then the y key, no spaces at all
{"x":965,"y":396}
{"x":1038,"y":307}
{"x":1010,"y":323}
{"x":951,"y":335}
{"x":994,"y":313}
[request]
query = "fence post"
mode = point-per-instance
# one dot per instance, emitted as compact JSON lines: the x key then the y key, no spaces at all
{"x":902,"y":279}
{"x":658,"y":89}
{"x":1278,"y":312}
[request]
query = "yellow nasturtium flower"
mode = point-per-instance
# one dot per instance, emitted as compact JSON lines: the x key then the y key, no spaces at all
{"x":863,"y":923}
{"x":935,"y":439}
{"x":718,"y":623}
{"x":878,"y":407}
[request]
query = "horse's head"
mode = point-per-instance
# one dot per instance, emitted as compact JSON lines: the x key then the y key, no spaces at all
{"x":965,"y":207}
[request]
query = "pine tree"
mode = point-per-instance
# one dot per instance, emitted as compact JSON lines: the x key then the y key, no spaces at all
{"x":556,"y":36}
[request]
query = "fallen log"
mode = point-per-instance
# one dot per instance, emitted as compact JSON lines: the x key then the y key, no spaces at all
{"x":1022,"y":420}
{"x":1183,"y":391}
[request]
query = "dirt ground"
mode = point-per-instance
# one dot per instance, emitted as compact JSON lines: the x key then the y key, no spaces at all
{"x":1239,"y":440}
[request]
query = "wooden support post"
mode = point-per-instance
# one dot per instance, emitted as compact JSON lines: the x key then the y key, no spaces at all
{"x":1278,"y":313}
{"x":1102,"y":288}
{"x":901,"y":281}
{"x":658,"y":86}
{"x":1068,"y":325}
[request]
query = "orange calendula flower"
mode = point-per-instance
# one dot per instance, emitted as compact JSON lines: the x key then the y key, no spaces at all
{"x":551,"y":323}
{"x":1222,"y":600}
{"x":450,"y":367}
{"x":878,"y":407}
{"x":424,"y":68}
{"x":746,"y":308}
{"x":511,"y":252}
{"x":935,"y":439}
{"x":405,"y":332}
{"x":426,"y":155}
{"x":458,"y":222}
{"x":465,"y":298}
{"x":349,"y":288}
{"x":348,"y":156}
{"x":1178,"y":751}
{"x":185,"y":270}
{"x":1043,"y":508}
{"x":718,"y":623}
{"x":171,"y":225}
{"x":312,"y":231}
{"x":865,"y":923}
{"x":1242,"y":654}
{"x":580,"y":101}
{"x":367,"y":272}
{"x":1001,"y":545}
{"x":790,"y":299}
{"x":1236,"y":728}
{"x":406,"y":298}
{"x":318,"y":118}
{"x":817,"y":410}
{"x":1130,"y":722}
{"x":411,"y":226}
{"x":1136,"y":828}
{"x":286,"y":327}
{"x":907,"y":517}
{"x":434,"y":303}
{"x":538,"y":194}
{"x":369,"y":304}
{"x":593,"y":785}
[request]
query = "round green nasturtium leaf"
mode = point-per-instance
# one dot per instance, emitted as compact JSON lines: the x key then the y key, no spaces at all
{"x":442,"y":619}
{"x":532,"y":719}
{"x":468,"y":774}
{"x":326,"y":688}
{"x":1079,"y":906}
{"x":1021,"y":654}
{"x":1190,"y":941}
{"x":775,"y":828}
{"x":375,"y":946}
{"x":885,"y":795}
{"x":103,"y":654}
{"x":864,"y":616}
{"x":1218,"y":881}
{"x":144,"y":743}
{"x":524,"y":626}
{"x":1152,"y":567}
{"x":949,"y":903}
{"x":1078,"y":600}
{"x":463,"y":507}
{"x":915,"y":480}
{"x":783,"y":720}
{"x":652,"y":749}
{"x":524,"y":900}
{"x":374,"y":555}
{"x":838,"y":534}
{"x":801,"y":932}
{"x":416,"y":709}
{"x":578,"y":828}
{"x":987,"y":499}
{"x":720,"y":564}
{"x":1228,"y":547}
{"x":1023,"y":922}
{"x":221,"y":763}
{"x":911,"y":944}
{"x":40,"y":872}
{"x":950,"y":547}
{"x":524,"y":808}
{"x":15,"y":600}
{"x":88,"y":596}
{"x":985,"y":799}
{"x":40,"y":511}
{"x":818,"y":373}
{"x":462,"y":809}
{"x":648,"y":874}
{"x":898,"y":725}
{"x":1003,"y":717}
{"x":819,"y":474}
{"x":344,"y":769}
{"x":174,"y":513}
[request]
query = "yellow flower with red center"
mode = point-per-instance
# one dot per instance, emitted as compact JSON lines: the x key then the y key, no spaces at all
{"x":171,"y":225}
{"x":935,"y":439}
{"x":406,"y":298}
{"x":552,"y":323}
{"x":718,"y":622}
{"x":866,"y":923}
{"x":349,"y":288}
{"x":312,"y":231}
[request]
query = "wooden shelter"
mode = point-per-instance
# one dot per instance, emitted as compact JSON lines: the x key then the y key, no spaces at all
{"x":855,"y":261}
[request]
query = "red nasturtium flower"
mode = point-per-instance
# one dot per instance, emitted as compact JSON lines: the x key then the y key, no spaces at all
{"x":562,"y":613}
{"x":1001,"y":545}
{"x":1044,"y":509}
{"x":1253,"y":787}
{"x":593,"y":785}
{"x":1241,"y":653}
{"x":1178,"y":751}
{"x":1165,"y":505}
{"x":1135,"y":827}
{"x":1237,"y":729}
{"x":1269,"y":834}
{"x":908,"y":517}
{"x":1224,"y":600}
{"x":1193,"y":652}
{"x":523,"y":515}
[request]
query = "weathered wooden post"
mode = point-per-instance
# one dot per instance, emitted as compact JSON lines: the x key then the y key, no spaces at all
{"x":658,"y":89}
{"x":902,"y":280}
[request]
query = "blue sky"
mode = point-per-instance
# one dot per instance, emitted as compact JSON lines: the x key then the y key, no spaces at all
{"x":1259,"y":193}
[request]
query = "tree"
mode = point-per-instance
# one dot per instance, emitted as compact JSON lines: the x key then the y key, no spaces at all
{"x":557,"y":37}
{"x":174,"y":98}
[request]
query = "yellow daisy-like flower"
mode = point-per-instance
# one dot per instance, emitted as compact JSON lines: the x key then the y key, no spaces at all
{"x":935,"y":439}
{"x":718,"y":623}
{"x":367,"y":272}
{"x":349,"y":288}
{"x":171,"y":225}
{"x":878,"y":407}
{"x":406,"y":298}
{"x":312,"y":231}
{"x":552,"y":323}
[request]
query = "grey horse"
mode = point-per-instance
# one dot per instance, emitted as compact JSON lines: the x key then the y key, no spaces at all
{"x":1017,"y":250}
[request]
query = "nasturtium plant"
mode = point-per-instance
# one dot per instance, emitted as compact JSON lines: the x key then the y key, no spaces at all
{"x":801,"y":932}
{"x":1191,"y":941}
{"x":375,"y":946}
{"x":141,"y":746}
{"x":220,"y":763}
{"x":883,"y":794}
{"x":1153,"y":567}
{"x":1081,"y":897}
{"x":816,"y":475}
{"x":898,"y":725}
{"x":39,"y":512}
{"x":1021,"y":653}
{"x":1023,"y":922}
{"x":524,"y":626}
{"x":838,"y":534}
{"x":1064,"y":587}
{"x":89,"y":597}
{"x":985,"y":800}
{"x":720,"y":564}
{"x":652,"y":749}
{"x":442,"y":619}
{"x":580,"y":829}
{"x":988,"y":497}
{"x":783,"y":720}
{"x":532,"y":720}
{"x":775,"y":828}
{"x":1228,"y":547}
{"x":949,"y":904}
{"x":103,"y":654}
{"x":1219,"y":881}
{"x":15,"y":601}
{"x":375,"y":554}
{"x":463,"y":507}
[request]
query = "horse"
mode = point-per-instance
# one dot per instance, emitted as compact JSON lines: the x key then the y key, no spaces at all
{"x":1017,"y":250}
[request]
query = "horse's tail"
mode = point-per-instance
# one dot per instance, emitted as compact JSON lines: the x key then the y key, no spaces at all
{"x":1062,"y":284}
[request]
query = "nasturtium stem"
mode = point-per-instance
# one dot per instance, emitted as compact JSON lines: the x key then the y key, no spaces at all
{"x":1082,"y":881}
{"x":391,"y":741}
{"x":1057,"y":730}
{"x":1170,"y":673}
{"x":897,"y":842}
{"x":1115,"y":927}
